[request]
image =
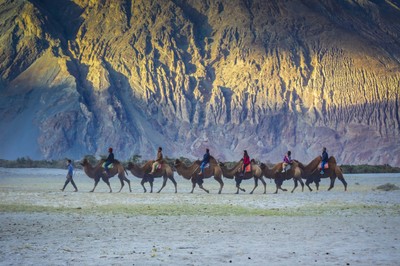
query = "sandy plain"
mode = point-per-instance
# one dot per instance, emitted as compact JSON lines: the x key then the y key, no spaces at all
{"x":40,"y":225}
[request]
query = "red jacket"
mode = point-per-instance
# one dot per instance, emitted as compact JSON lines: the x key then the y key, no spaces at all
{"x":246,"y":160}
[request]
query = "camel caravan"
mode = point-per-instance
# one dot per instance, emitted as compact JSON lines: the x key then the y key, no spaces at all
{"x":321,"y":167}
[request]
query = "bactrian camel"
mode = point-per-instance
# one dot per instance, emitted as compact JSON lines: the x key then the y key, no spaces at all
{"x":236,"y":172}
{"x":192,"y":173}
{"x":311,"y":172}
{"x":97,"y":172}
{"x":275,"y":173}
{"x":144,"y":173}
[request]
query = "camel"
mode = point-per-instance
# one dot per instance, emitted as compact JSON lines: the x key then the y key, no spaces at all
{"x":144,"y":173}
{"x":236,"y":172}
{"x":97,"y":172}
{"x":192,"y":173}
{"x":295,"y":173}
{"x":311,"y":172}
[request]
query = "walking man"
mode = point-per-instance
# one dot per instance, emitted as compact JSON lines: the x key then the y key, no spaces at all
{"x":69,"y":176}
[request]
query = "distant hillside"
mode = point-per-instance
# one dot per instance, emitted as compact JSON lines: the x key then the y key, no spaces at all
{"x":268,"y":76}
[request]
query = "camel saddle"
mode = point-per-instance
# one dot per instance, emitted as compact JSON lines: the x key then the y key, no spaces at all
{"x":158,"y":166}
{"x":287,"y":168}
{"x":109,"y":166}
{"x":326,"y":166}
{"x":248,"y":168}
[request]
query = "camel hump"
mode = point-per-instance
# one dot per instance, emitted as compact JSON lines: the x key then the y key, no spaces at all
{"x":213,"y":160}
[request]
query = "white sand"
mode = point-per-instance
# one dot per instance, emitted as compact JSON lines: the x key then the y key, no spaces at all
{"x":357,"y":227}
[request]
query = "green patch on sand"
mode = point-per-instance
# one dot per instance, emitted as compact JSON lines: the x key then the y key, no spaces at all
{"x":207,"y":210}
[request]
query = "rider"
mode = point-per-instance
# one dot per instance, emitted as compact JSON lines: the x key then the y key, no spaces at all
{"x":324,"y":158}
{"x":158,"y":161}
{"x":286,"y":161}
{"x":205,"y":161}
{"x":246,"y":162}
{"x":109,"y":160}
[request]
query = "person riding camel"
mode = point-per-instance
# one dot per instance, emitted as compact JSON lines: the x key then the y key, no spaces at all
{"x":324,"y":158}
{"x":246,"y":161}
{"x":158,"y":161}
{"x":109,"y":160}
{"x":287,"y":160}
{"x":204,"y":162}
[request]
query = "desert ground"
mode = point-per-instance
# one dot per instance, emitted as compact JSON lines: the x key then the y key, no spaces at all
{"x":40,"y":225}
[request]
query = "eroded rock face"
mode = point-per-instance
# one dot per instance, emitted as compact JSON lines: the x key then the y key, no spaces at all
{"x":266,"y":76}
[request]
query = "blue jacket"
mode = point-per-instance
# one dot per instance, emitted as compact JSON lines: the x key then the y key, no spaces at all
{"x":324,"y":156}
{"x":110,"y":158}
{"x":70,"y":169}
{"x":206,"y":158}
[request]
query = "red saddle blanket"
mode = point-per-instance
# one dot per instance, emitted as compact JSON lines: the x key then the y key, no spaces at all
{"x":248,"y":168}
{"x":326,"y":166}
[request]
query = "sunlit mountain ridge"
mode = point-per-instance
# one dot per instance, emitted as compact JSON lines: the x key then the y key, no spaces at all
{"x":266,"y":76}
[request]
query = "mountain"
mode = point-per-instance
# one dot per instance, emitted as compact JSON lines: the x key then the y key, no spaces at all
{"x":78,"y":76}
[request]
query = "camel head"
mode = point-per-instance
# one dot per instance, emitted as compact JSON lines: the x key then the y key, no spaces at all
{"x":84,"y":162}
{"x":130,"y":166}
{"x":262,"y":166}
{"x":221,"y":164}
{"x":177,"y":162}
{"x":299,"y":164}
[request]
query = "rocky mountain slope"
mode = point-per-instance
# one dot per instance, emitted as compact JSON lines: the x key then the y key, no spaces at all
{"x":268,"y":76}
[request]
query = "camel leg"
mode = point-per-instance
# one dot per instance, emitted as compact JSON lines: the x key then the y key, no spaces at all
{"x":96,"y":181}
{"x":344,"y":182}
{"x":241,"y":189}
{"x":308,"y":184}
{"x":278,"y":183}
{"x":142,"y":183}
{"x":302,"y":184}
{"x":151,"y":186}
{"x":297,"y":179}
{"x":295,"y":184}
{"x":332,"y":183}
{"x":127,"y":181}
{"x":165,"y":178}
{"x":277,"y":186}
{"x":200,"y":183}
{"x":341,"y":178}
{"x":221,"y":183}
{"x":206,"y":190}
{"x":264,"y":184}
{"x":122,"y":182}
{"x":238,"y":181}
{"x":255,"y":185}
{"x":174,"y":182}
{"x":106,"y":180}
{"x":193,"y":185}
{"x":276,"y":191}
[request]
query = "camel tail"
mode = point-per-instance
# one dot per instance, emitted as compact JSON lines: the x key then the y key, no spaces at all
{"x":126,"y":172}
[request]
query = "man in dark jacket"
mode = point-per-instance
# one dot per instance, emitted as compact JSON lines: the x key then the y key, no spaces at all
{"x":205,"y":161}
{"x":109,"y":160}
{"x":324,"y":158}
